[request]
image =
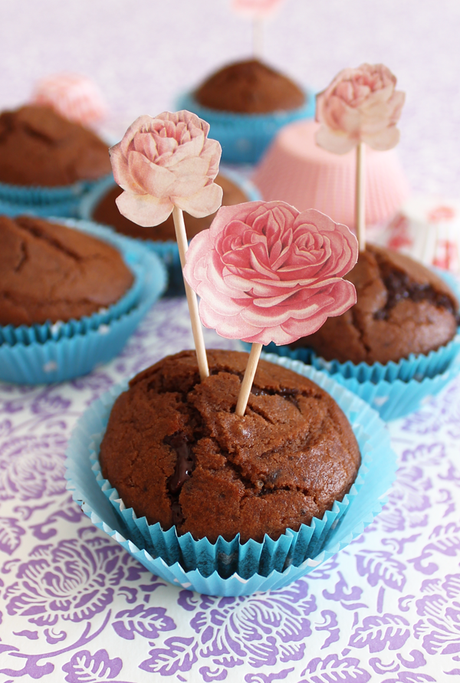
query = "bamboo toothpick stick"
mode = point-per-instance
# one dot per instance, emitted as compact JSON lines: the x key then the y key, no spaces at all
{"x":248,"y":379}
{"x":257,"y":38}
{"x":197,"y":330}
{"x":360,"y":207}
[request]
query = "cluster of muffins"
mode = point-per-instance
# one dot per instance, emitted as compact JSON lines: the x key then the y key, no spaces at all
{"x":229,"y":505}
{"x":207,"y":499}
{"x":71,"y":293}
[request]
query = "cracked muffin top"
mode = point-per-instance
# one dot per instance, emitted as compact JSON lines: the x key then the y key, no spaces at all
{"x":40,"y":147}
{"x":402,"y":308}
{"x":49,"y":272}
{"x":106,"y":211}
{"x":178,"y":454}
{"x":249,"y":87}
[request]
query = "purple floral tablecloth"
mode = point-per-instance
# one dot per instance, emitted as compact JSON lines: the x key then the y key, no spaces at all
{"x":75,"y":607}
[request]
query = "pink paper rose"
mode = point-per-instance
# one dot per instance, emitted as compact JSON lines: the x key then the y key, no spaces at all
{"x":360,"y":105}
{"x":164,"y":162}
{"x":255,"y":8}
{"x":266,"y":272}
{"x":74,"y":96}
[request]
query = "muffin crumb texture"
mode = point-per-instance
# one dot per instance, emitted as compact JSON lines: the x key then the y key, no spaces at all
{"x":402,"y":308}
{"x":178,"y":454}
{"x":249,"y":87}
{"x":39,"y":147}
{"x":49,"y":272}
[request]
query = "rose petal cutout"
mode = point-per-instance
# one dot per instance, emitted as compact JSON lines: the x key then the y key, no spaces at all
{"x":148,"y":210}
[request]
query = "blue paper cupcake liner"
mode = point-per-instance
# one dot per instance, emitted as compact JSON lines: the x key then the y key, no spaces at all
{"x":48,"y":353}
{"x":245,"y":137}
{"x":45,"y":201}
{"x":166,"y":251}
{"x":393,"y":389}
{"x":232,"y":568}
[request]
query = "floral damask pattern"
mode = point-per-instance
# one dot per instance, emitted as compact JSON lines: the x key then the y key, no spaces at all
{"x":72,"y":581}
{"x":32,"y":467}
{"x":75,"y":607}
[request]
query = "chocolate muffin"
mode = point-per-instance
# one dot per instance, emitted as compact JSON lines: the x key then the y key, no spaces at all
{"x":49,"y":272}
{"x":106,"y":211}
{"x":41,"y":148}
{"x":178,"y":454}
{"x":402,"y":308}
{"x":249,"y":87}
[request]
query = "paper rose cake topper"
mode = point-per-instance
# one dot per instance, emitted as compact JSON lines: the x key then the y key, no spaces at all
{"x":267,"y":272}
{"x":361,"y":106}
{"x":74,"y":96}
{"x":163,"y":162}
{"x":166,"y":164}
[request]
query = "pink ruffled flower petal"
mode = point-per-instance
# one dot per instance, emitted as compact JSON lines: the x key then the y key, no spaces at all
{"x":148,"y":211}
{"x":167,"y":161}
{"x":386,"y":139}
{"x":266,"y":272}
{"x":203,"y":203}
{"x":120,"y":170}
{"x":154,"y":180}
{"x":358,"y":106}
{"x":335,"y":142}
{"x":190,"y":176}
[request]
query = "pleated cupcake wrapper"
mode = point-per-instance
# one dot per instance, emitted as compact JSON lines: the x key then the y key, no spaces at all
{"x":412,"y":368}
{"x":45,"y":201}
{"x":329,"y":184}
{"x":57,"y":353}
{"x":386,"y":388}
{"x":396,"y":399}
{"x":166,"y":251}
{"x":232,"y":568}
{"x":245,"y":137}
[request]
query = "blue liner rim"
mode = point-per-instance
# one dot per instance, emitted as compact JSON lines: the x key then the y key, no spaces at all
{"x":30,"y":195}
{"x":187,"y":101}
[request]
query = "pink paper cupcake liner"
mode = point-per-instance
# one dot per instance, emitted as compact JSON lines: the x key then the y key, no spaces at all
{"x":296,"y":170}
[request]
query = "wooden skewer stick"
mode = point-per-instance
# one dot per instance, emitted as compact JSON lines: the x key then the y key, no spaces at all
{"x":248,"y":379}
{"x":257,"y":38}
{"x":360,"y":206}
{"x":192,"y":301}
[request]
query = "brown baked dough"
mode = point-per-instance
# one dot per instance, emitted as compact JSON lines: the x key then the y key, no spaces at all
{"x":249,"y":87}
{"x":41,"y":148}
{"x":402,"y":308}
{"x":49,"y":272}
